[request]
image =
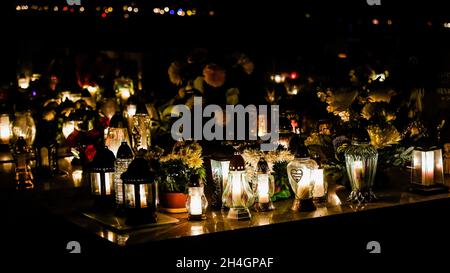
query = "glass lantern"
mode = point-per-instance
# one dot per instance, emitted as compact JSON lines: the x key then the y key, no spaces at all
{"x":5,"y":129}
{"x":24,"y":126}
{"x":22,"y":155}
{"x":238,"y":196}
{"x":427,"y":169}
{"x":141,"y":129}
{"x":265,"y":187}
{"x":116,"y":133}
{"x":101,"y":176}
{"x":300,"y":172}
{"x":361,"y":164}
{"x":196,"y":202}
{"x":123,"y":160}
{"x":220,"y":165}
{"x":140,"y":193}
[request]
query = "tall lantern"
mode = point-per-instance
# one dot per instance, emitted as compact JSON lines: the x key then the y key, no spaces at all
{"x":141,"y":128}
{"x":116,"y":133}
{"x":361,"y":164}
{"x":265,"y":187}
{"x":24,"y":176}
{"x":427,"y":169}
{"x":101,"y":176}
{"x":123,"y":160}
{"x":220,"y":165}
{"x":24,"y":126}
{"x":300,"y":172}
{"x":196,"y":202}
{"x":140,"y":193}
{"x":238,"y":196}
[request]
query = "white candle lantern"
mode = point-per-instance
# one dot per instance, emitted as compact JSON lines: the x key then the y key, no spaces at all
{"x":196,"y":203}
{"x":300,"y":174}
{"x":427,"y":169}
{"x":238,"y":195}
{"x":265,"y":187}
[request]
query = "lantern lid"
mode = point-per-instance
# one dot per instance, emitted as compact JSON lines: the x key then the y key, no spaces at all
{"x":103,"y":161}
{"x":237,"y":162}
{"x":425,"y":144}
{"x":118,"y":121}
{"x":298,"y":148}
{"x":262,"y":166}
{"x":138,"y":172}
{"x":124,"y":151}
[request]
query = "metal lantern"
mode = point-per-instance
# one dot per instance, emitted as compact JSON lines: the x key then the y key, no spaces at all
{"x":238,"y":196}
{"x":140,"y":193}
{"x":24,"y":176}
{"x":300,"y":172}
{"x":101,"y":176}
{"x":196,"y":202}
{"x":361,"y":163}
{"x":24,"y":126}
{"x":427,"y":169}
{"x":265,"y":187}
{"x":5,"y":129}
{"x":123,"y":160}
{"x":116,"y":133}
{"x":141,"y":129}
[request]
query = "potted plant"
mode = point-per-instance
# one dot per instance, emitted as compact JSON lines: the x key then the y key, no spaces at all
{"x":174,"y":171}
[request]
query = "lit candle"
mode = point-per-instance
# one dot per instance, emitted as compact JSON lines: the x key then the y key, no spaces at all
{"x":225,"y":165}
{"x":319,"y":186}
{"x":304,"y":185}
{"x":124,"y":93}
{"x":236,"y":191}
{"x":131,"y":110}
{"x":142,"y":196}
{"x":428,"y":168}
{"x":358,"y":171}
{"x":195,"y":205}
{"x":68,"y":128}
{"x":262,"y":125}
{"x":77,"y":176}
{"x":263,"y":188}
{"x":107,"y":184}
{"x":5,"y":129}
